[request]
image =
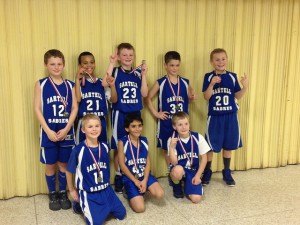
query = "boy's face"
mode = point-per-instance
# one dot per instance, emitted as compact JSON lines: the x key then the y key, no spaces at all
{"x":182,"y":126}
{"x":88,"y":63}
{"x":126,"y":57}
{"x":219,"y":61}
{"x":172,"y":67}
{"x":92,"y":129}
{"x":135,"y":128}
{"x":55,"y":66}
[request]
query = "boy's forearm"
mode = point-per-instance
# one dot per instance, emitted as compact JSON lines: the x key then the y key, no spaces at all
{"x":70,"y":181}
{"x":77,"y":90}
{"x":202,"y":164}
{"x":144,"y":88}
{"x":208,"y":93}
{"x":240,"y":94}
{"x":114,"y":95}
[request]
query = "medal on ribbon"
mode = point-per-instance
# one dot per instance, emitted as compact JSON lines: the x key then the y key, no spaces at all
{"x":189,"y":162}
{"x":135,"y":159}
{"x":177,"y":107}
{"x":100,"y":175}
{"x":136,"y":68}
{"x":64,"y":101}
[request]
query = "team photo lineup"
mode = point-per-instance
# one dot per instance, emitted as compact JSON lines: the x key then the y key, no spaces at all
{"x":75,"y":146}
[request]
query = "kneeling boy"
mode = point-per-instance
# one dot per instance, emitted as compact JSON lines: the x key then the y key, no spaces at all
{"x":90,"y":161}
{"x":185,"y":149}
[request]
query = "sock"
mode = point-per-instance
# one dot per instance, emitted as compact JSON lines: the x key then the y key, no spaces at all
{"x":226,"y":162}
{"x":208,"y":165}
{"x":62,"y":181}
{"x":51,"y":182}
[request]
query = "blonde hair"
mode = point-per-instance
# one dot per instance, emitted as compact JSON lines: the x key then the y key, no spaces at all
{"x":215,"y":51}
{"x":89,"y":117}
{"x":179,"y":116}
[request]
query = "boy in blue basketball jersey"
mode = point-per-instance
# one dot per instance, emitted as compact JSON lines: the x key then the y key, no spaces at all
{"x":127,"y":92}
{"x":185,"y":150}
{"x":90,"y":94}
{"x":56,"y":108}
{"x":90,"y":162}
{"x":221,"y":89}
{"x":135,"y":164}
{"x":174,"y":93}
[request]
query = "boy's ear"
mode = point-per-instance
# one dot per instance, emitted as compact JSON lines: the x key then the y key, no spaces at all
{"x":174,"y":127}
{"x":127,"y":130}
{"x":82,"y":130}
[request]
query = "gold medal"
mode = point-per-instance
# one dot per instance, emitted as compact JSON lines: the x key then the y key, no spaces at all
{"x":66,"y":114}
{"x":100,"y":179}
{"x":136,"y":176}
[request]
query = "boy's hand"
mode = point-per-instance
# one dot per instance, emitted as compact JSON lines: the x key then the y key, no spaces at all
{"x":61,"y":134}
{"x":74,"y":195}
{"x":196,"y":180}
{"x":215,"y":80}
{"x":245,"y":81}
{"x":144,"y":69}
{"x":137,"y":183}
{"x":110,"y":80}
{"x":143,"y":186}
{"x":80,"y":72}
{"x":114,"y":57}
{"x":193,"y":95}
{"x":173,"y":141}
{"x":162,"y":115}
{"x":52,"y":136}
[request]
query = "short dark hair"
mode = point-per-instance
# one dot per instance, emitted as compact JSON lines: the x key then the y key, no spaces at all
{"x":179,"y":116}
{"x":53,"y":53}
{"x":132,"y":117}
{"x":215,"y":51}
{"x":126,"y":46}
{"x":172,"y":55}
{"x":84,"y":54}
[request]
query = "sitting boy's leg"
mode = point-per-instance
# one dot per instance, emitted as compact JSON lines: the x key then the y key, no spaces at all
{"x":137,"y":204}
{"x":194,"y":192}
{"x":177,"y":173}
{"x":206,"y":176}
{"x":117,"y":208}
{"x":155,"y":188}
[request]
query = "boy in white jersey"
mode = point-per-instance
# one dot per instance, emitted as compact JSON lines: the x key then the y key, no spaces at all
{"x":185,"y":150}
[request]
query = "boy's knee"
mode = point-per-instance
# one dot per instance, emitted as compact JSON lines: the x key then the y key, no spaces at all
{"x":159,"y":194}
{"x":195,"y":198}
{"x":177,"y":172}
{"x":139,"y":208}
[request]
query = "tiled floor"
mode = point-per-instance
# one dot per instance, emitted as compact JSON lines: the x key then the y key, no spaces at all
{"x":268,"y":196}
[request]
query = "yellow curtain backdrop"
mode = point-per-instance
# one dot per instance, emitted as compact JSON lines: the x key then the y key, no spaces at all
{"x":261,"y":37}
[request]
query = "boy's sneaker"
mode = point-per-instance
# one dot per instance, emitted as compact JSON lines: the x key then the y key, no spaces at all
{"x":228,"y":178}
{"x":206,"y":177}
{"x":118,"y":184}
{"x":54,"y":201}
{"x":63,"y":200}
{"x":76,"y":207}
{"x":177,"y":190}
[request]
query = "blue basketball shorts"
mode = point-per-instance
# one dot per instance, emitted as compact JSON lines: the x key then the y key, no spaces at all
{"x":223,"y":132}
{"x":97,"y":206}
{"x":80,"y":136}
{"x":52,"y":155}
{"x":118,"y":129}
{"x":132,"y":190}
{"x":189,"y":188}
{"x":164,"y":132}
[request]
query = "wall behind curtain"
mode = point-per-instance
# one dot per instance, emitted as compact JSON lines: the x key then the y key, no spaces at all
{"x":261,"y":38}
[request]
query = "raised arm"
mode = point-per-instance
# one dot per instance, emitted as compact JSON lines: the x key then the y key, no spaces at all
{"x":78,"y":79}
{"x":245,"y":83}
{"x":144,"y":88}
{"x":209,"y":91}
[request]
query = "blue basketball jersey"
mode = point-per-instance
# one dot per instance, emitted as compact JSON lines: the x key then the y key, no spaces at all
{"x":222,"y":100}
{"x":128,"y":87}
{"x":93,"y":99}
{"x":141,"y":159}
{"x":54,"y":111}
{"x":82,"y":163}
{"x":184,"y":150}
{"x":166,"y":99}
